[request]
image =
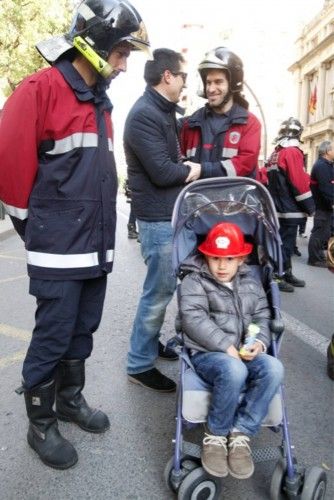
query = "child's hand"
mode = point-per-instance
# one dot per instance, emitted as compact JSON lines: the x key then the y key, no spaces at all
{"x":232,"y":351}
{"x":252,"y":351}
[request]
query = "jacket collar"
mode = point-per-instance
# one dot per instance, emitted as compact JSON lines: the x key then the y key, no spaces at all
{"x":161,"y":101}
{"x":80,"y":88}
{"x":327,"y":162}
{"x":287,"y":142}
{"x":237,"y":115}
{"x":197,"y":263}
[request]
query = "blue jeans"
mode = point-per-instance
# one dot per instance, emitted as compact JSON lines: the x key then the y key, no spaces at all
{"x":259,"y":378}
{"x":158,"y":290}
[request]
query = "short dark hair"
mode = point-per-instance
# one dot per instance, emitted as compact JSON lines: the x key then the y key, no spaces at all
{"x":163,"y":59}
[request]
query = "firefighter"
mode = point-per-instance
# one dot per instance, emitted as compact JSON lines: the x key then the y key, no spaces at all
{"x":289,"y":186}
{"x":58,"y":183}
{"x":223,"y":136}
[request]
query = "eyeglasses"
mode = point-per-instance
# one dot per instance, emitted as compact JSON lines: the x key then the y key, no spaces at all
{"x":182,"y":75}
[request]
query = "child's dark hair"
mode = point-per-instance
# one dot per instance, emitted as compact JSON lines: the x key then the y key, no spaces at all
{"x":163,"y":59}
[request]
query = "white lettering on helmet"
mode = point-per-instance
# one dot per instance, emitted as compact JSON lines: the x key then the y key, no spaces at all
{"x":222,"y":242}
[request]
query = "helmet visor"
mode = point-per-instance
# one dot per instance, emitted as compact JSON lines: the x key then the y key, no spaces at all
{"x":139,"y":39}
{"x":110,"y":23}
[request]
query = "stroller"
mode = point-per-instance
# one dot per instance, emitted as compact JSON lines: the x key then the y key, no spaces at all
{"x":248,"y":204}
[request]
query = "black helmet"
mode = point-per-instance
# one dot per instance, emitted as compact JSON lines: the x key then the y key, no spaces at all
{"x":223,"y":58}
{"x":102,"y":24}
{"x":290,"y":128}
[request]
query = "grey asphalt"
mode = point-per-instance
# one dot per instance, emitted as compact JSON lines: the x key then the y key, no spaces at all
{"x":128,"y":461}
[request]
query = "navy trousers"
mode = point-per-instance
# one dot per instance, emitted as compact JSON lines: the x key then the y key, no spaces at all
{"x":320,"y":234}
{"x":67,"y":315}
{"x":288,"y":236}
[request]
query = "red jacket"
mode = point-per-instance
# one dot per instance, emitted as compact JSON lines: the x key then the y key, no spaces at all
{"x":232,"y":152}
{"x":58,"y":175}
{"x":289,"y":184}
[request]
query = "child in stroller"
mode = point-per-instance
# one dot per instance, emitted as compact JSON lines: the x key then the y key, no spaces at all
{"x":219,"y":299}
{"x":199,"y":207}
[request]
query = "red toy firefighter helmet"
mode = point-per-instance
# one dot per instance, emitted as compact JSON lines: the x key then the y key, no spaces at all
{"x":99,"y":25}
{"x":223,"y":58}
{"x":225,"y":240}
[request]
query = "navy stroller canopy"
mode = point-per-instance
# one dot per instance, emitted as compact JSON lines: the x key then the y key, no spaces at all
{"x":240,"y":200}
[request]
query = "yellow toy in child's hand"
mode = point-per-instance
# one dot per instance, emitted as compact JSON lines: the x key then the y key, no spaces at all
{"x":252,"y":332}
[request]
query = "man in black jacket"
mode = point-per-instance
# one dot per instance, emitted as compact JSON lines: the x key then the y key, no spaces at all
{"x":156,"y":175}
{"x":322,"y":187}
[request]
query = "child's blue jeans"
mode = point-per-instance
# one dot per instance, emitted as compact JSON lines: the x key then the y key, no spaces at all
{"x":259,"y":379}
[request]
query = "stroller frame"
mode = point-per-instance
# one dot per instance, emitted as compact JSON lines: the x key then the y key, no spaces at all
{"x":183,"y":472}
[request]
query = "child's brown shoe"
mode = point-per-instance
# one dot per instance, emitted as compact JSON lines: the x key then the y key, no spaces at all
{"x":214,"y":455}
{"x":240,"y":462}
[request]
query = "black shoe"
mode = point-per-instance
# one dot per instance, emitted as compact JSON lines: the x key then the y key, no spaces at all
{"x":154,"y":380}
{"x":297,"y":252}
{"x":284,"y":286}
{"x":292,"y":280}
{"x":71,"y":405}
{"x":167,"y":353}
{"x":317,"y":263}
{"x":132,"y":232}
{"x":330,"y":359}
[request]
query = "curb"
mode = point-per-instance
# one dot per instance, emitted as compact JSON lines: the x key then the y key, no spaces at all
{"x":6,"y":234}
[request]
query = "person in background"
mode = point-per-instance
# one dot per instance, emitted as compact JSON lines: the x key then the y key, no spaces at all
{"x":219,"y":302}
{"x":289,"y":186}
{"x":132,"y":229}
{"x":58,"y":183}
{"x":223,"y":136}
{"x":322,"y":187}
{"x":156,"y":173}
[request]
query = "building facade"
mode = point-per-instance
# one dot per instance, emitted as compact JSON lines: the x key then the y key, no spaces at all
{"x":314,"y":78}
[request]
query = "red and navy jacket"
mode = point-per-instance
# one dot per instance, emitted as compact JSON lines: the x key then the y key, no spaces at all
{"x":289,"y":183}
{"x":58,"y":175}
{"x":234,"y":151}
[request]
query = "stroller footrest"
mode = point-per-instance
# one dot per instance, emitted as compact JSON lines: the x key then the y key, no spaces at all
{"x":266,"y":454}
{"x":191,"y":449}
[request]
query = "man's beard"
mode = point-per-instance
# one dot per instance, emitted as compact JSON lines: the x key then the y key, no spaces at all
{"x":221,"y":105}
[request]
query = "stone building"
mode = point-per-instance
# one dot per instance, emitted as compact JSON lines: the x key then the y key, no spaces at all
{"x":314,"y":76}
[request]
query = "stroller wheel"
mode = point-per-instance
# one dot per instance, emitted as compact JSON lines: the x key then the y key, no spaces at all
{"x":187,"y":465}
{"x":277,"y":481}
{"x":315,"y":482}
{"x":199,"y":485}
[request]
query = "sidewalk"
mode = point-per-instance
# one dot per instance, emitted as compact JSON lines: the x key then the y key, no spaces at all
{"x":6,"y":228}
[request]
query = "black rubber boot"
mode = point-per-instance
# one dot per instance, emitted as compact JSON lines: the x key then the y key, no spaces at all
{"x":71,"y":406}
{"x":43,"y":434}
{"x":290,"y":278}
{"x":283,"y":285}
{"x":297,"y":252}
{"x":132,"y":232}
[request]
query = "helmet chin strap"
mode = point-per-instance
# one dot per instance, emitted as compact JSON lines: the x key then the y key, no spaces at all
{"x":228,"y":96}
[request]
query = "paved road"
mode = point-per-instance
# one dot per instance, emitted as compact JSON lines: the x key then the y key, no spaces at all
{"x":128,"y":461}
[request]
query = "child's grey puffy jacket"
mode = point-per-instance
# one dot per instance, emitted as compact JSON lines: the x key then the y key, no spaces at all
{"x":213,"y":316}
